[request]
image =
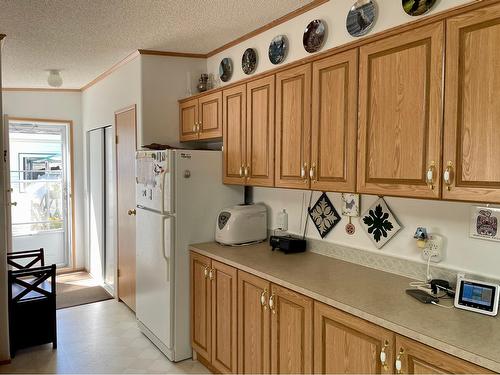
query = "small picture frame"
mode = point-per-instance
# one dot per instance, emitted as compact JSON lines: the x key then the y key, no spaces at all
{"x":484,"y":223}
{"x":350,"y":204}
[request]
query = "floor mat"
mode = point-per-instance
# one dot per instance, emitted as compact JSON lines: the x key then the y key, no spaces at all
{"x":78,"y":288}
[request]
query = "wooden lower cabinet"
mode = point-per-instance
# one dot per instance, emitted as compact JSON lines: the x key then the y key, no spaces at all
{"x":344,"y":344}
{"x":253,"y":324}
{"x":213,"y":312}
{"x":245,"y":324}
{"x":417,"y":358}
{"x":291,"y":332}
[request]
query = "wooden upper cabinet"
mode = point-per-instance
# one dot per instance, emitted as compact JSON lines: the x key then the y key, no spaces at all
{"x":201,"y":323}
{"x":344,"y":344}
{"x":293,"y":127}
{"x":210,"y":115}
{"x":334,"y":122}
{"x":188,"y":112}
{"x":253,"y":325}
{"x":400,"y":114}
{"x":472,"y":106}
{"x":417,"y":358}
{"x":224,"y":318}
{"x":234,"y":134}
{"x":291,"y":332}
{"x":260,"y":132}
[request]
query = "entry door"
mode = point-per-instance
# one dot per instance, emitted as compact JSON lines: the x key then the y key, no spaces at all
{"x":125,"y":123}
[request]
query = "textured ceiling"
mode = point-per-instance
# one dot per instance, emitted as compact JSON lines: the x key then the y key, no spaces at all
{"x":83,"y":38}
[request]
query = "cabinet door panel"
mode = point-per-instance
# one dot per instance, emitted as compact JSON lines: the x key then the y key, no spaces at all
{"x":234,"y":121}
{"x":188,"y":112}
{"x":334,"y":122}
{"x":224,"y":318}
{"x":293,"y":127}
{"x":260,"y":132}
{"x":210,"y":116}
{"x":400,"y":119}
{"x":344,"y":344}
{"x":253,"y":325}
{"x":291,"y":332}
{"x":472,"y":112}
{"x":200,"y":306}
{"x":418,"y":358}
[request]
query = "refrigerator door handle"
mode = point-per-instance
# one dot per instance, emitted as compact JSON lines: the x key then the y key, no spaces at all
{"x":164,"y":246}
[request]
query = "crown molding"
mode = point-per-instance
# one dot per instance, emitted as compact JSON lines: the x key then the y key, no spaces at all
{"x":38,"y":89}
{"x":270,"y":25}
{"x":172,"y":54}
{"x":106,"y":73}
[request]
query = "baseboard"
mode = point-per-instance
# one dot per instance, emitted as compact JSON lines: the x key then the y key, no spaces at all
{"x":206,"y":363}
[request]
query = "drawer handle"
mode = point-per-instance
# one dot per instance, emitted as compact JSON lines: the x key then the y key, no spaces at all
{"x":448,"y":175}
{"x":263,"y":299}
{"x":383,"y":355}
{"x":271,"y":304}
{"x":399,"y":363}
{"x":430,"y":175}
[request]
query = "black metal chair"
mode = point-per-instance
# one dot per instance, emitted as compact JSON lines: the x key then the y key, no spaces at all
{"x":30,"y":257}
{"x":32,"y":307}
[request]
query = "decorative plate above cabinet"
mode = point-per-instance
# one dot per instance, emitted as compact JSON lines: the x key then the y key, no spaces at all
{"x":226,"y":69}
{"x":314,"y":36}
{"x":278,"y":49}
{"x":249,"y":61}
{"x":361,"y":17}
{"x":417,"y":7}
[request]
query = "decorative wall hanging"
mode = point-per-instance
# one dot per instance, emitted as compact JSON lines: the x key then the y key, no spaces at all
{"x":379,"y":223}
{"x":350,"y":208}
{"x":417,"y":7}
{"x":249,"y":61}
{"x":361,"y":17}
{"x":278,"y":49}
{"x":324,"y":215}
{"x":314,"y":36}
{"x":226,"y":69}
{"x":484,"y":223}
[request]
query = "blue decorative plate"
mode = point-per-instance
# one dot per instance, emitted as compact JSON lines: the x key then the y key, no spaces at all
{"x":417,"y":7}
{"x":314,"y":36}
{"x":361,"y":17}
{"x":278,"y":49}
{"x":249,"y":61}
{"x":226,"y":69}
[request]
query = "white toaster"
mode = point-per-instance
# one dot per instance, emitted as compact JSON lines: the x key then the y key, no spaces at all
{"x":241,"y":224}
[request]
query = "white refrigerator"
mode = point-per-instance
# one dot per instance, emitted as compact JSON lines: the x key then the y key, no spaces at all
{"x":178,"y":194}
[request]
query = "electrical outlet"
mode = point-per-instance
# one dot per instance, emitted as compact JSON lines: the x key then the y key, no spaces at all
{"x":434,"y":248}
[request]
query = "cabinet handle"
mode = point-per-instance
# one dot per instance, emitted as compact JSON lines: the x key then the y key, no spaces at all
{"x":15,"y":204}
{"x":241,"y":171}
{"x":211,"y":275}
{"x":131,"y":212}
{"x":383,"y":355}
{"x":399,"y":363}
{"x":195,"y":127}
{"x":263,"y":299}
{"x":430,"y":175}
{"x":312,"y":172}
{"x":303,"y":173}
{"x":271,"y":304}
{"x":447,"y":175}
{"x":205,"y":271}
{"x":200,"y":127}
{"x":246,"y":171}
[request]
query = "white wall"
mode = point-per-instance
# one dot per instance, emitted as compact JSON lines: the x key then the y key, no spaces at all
{"x":164,"y":82}
{"x":57,"y":106}
{"x":334,"y":12}
{"x":447,"y":218}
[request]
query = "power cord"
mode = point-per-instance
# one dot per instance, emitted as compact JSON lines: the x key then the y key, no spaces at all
{"x":443,"y":306}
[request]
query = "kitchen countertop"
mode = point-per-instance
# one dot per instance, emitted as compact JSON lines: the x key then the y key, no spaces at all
{"x":373,"y":295}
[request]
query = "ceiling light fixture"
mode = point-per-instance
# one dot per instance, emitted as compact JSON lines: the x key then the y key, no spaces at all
{"x":54,"y":79}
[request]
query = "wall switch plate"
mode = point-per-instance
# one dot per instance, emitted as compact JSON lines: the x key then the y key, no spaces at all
{"x":434,"y":248}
